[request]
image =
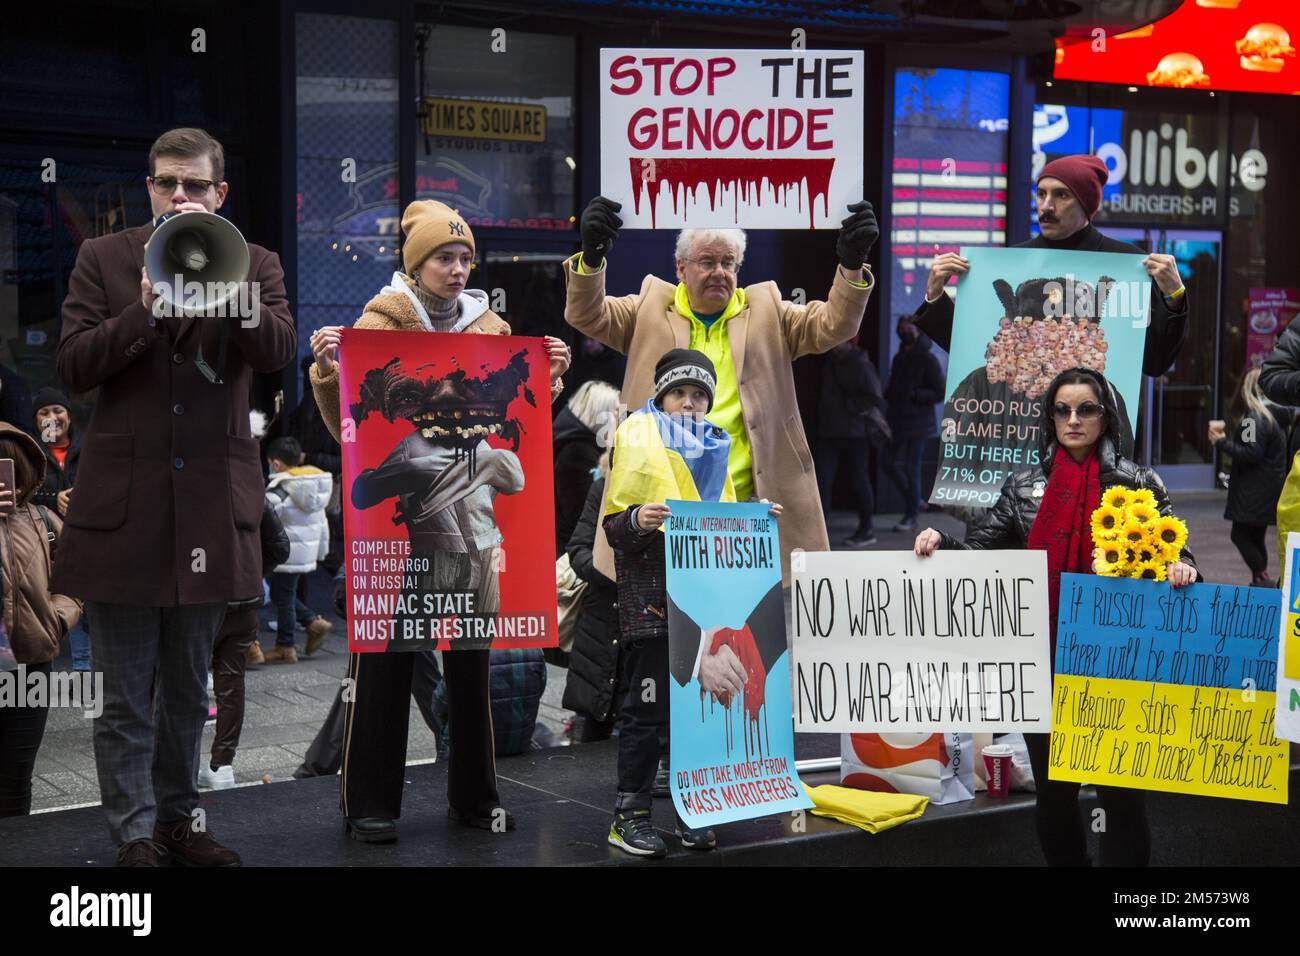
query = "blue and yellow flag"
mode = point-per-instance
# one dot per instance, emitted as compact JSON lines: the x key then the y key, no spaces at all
{"x":658,"y":456}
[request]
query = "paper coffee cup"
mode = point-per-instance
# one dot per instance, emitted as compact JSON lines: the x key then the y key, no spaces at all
{"x":997,"y":763}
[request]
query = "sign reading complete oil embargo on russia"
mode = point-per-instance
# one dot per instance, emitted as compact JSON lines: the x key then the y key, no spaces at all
{"x":484,"y":119}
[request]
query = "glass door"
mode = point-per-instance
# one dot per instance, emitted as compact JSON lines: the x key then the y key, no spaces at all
{"x":1177,"y":407}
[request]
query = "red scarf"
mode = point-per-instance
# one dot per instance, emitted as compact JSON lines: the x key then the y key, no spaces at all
{"x":1063,"y":526}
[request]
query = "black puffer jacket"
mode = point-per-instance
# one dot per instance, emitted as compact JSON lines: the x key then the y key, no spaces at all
{"x":916,"y":386}
{"x":1259,"y":466}
{"x":1279,"y":376}
{"x":850,"y":389}
{"x":642,"y":580}
{"x":593,"y":662}
{"x":1007,"y":524}
{"x":576,"y":452}
{"x":275,"y":549}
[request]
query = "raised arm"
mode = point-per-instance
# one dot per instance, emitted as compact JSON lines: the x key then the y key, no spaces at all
{"x":820,"y":326}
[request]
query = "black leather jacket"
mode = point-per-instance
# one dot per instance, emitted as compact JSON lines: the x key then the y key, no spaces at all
{"x":1006,"y":525}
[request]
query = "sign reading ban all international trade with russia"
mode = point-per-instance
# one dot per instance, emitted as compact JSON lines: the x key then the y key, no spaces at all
{"x":765,"y":139}
{"x":1168,"y":689}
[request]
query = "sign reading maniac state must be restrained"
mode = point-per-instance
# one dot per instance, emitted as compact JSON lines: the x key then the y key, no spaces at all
{"x":448,"y":499}
{"x":887,"y":641}
{"x":764,"y":139}
{"x":1164,"y":689}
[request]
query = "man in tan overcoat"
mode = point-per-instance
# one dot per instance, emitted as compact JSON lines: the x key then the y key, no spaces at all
{"x":751,"y":334}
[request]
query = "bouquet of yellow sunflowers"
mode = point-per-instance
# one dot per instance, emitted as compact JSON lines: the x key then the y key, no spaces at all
{"x":1132,"y":538}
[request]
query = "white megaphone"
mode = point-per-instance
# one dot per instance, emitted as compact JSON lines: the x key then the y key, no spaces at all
{"x":196,"y":262}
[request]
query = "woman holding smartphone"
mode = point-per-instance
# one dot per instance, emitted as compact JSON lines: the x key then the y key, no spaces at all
{"x":33,"y":621}
{"x":1049,"y":508}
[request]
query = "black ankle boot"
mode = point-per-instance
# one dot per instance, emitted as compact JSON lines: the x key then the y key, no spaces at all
{"x":372,"y":829}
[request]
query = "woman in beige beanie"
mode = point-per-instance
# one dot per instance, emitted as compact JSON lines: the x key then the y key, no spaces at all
{"x":430,"y":295}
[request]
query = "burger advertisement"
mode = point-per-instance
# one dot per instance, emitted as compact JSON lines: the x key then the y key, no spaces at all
{"x":1241,"y":45}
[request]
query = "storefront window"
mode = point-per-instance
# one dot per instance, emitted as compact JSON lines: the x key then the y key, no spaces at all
{"x":349,"y":224}
{"x":496,"y":126}
{"x":42,"y":225}
{"x":950,"y":170}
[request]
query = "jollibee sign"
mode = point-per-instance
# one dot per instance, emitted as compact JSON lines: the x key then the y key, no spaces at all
{"x":765,"y":139}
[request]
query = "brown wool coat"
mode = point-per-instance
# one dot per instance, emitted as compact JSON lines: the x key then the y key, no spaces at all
{"x":394,"y":312}
{"x":35,"y":620}
{"x":765,"y":338}
{"x":168,"y":499}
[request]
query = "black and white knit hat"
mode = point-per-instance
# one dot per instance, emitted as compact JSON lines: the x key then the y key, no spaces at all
{"x":684,"y":367}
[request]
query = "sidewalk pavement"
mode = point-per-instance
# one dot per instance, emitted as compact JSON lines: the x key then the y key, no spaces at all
{"x":287,"y":703}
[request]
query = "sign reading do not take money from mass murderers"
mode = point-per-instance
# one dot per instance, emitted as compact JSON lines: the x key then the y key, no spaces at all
{"x":887,"y":641}
{"x":763,"y":139}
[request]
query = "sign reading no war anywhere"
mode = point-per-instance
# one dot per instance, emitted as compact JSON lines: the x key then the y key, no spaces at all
{"x":887,"y":641}
{"x":1164,"y":689}
{"x":763,"y":139}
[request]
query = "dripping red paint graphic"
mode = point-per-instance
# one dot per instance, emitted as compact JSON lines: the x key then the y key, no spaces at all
{"x":809,"y":178}
{"x":742,"y":644}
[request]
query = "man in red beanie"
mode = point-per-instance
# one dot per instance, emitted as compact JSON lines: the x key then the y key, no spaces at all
{"x":1069,"y":195}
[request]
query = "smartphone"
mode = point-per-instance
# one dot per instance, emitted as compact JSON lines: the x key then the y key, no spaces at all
{"x":7,"y":478}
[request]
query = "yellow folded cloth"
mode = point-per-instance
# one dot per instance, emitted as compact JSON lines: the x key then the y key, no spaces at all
{"x":865,"y":809}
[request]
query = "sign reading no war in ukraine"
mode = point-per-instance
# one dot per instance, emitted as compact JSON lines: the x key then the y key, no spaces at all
{"x":887,"y":641}
{"x":1164,"y":689}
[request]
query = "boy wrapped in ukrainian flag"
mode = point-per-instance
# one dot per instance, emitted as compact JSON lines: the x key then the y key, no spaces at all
{"x":667,"y":449}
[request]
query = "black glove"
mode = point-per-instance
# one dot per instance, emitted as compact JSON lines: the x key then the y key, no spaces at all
{"x":600,"y":225}
{"x":858,"y":233}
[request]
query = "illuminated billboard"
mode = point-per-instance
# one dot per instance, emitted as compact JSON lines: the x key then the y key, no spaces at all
{"x":1204,"y":45}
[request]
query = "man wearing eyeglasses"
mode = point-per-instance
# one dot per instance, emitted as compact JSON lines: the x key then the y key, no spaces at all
{"x":751,"y":334}
{"x":163,"y":530}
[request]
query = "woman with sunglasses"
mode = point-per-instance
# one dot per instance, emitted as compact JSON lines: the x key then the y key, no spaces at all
{"x":1049,"y":507}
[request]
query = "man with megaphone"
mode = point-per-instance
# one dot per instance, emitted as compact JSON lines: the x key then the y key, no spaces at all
{"x":169,"y":321}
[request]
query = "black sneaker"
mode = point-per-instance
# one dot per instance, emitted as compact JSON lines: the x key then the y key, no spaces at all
{"x":907,"y":524}
{"x":860,"y":539}
{"x":660,"y":788}
{"x":695,"y":839}
{"x":632,"y":832}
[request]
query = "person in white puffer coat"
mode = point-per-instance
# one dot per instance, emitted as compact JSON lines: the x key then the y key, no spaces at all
{"x":299,"y":494}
